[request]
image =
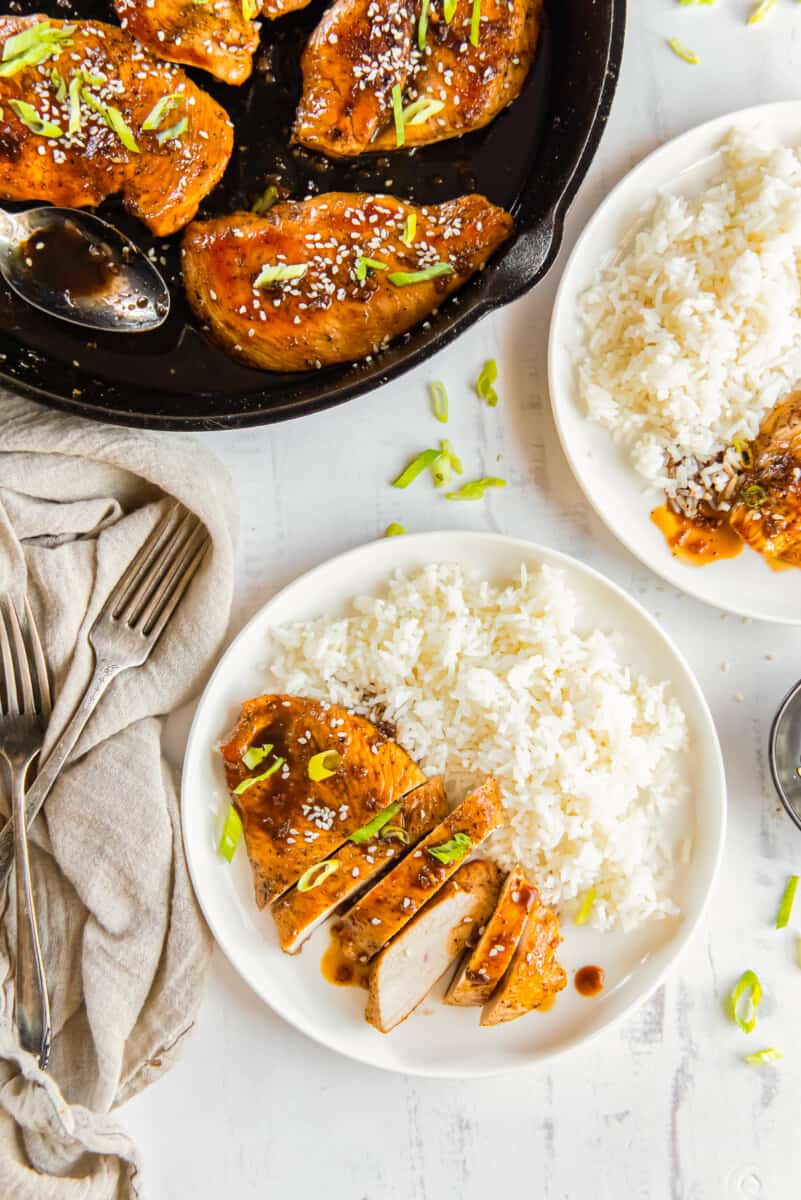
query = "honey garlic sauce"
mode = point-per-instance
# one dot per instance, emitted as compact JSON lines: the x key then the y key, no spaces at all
{"x":589,"y":981}
{"x":339,"y":970}
{"x":696,"y":541}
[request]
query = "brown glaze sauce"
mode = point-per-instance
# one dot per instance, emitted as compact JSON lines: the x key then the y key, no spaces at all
{"x":589,"y":981}
{"x":697,"y":541}
{"x":64,"y":260}
{"x":339,"y":970}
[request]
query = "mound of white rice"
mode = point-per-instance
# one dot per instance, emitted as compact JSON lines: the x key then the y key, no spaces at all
{"x":488,"y":681}
{"x":693,"y":331}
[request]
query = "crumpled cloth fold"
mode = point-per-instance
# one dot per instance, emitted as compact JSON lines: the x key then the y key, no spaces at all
{"x":125,"y":945}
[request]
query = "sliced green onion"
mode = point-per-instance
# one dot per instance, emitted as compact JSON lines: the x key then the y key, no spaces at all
{"x":161,"y":109}
{"x":404,"y":278}
{"x":409,"y":229}
{"x":266,"y":200}
{"x":324,"y":765}
{"x":274,"y":766}
{"x":374,"y":826}
{"x":394,"y":529}
{"x":113,"y":118}
{"x":397,"y":115}
{"x":453,"y":458}
{"x":475,"y":22}
{"x":280,"y":273}
{"x":59,"y":85}
{"x":397,"y":832}
{"x":421,"y":110}
{"x":743,"y":448}
{"x":94,"y":79}
{"x":760,"y":12}
{"x":441,"y":470}
{"x":317,"y":875}
{"x":33,"y":121}
{"x":749,"y":990}
{"x":174,"y":132}
{"x":250,"y":9}
{"x":33,"y":46}
{"x":363,"y":265}
{"x":256,"y":755}
{"x":231,"y":833}
{"x":415,"y":468}
{"x":439,"y":401}
{"x":476,"y":488}
{"x":422,"y":25}
{"x":684,"y":52}
{"x":74,"y":92}
{"x":585,"y":908}
{"x":452,"y":850}
{"x":786,"y":906}
{"x":449,"y":10}
{"x":754,"y":495}
{"x":486,"y":378}
{"x":763,"y":1056}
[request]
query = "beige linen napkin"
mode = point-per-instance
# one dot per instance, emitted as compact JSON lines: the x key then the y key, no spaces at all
{"x":125,"y":944}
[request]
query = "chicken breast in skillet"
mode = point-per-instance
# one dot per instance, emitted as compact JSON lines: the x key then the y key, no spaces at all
{"x":766,"y":508}
{"x":378,"y":76}
{"x":219,"y":36}
{"x":334,"y":278}
{"x":485,"y":964}
{"x":86,"y":112}
{"x":534,"y":976}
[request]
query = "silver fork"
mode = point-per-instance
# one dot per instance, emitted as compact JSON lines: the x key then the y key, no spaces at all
{"x":122,"y":636}
{"x":25,"y":713}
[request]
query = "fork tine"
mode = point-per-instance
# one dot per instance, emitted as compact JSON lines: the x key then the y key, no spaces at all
{"x":24,"y":681}
{"x":140,"y":562}
{"x":163,"y":590}
{"x":39,"y":663}
{"x":146,"y":585}
{"x":12,"y":707}
{"x":170,"y":602}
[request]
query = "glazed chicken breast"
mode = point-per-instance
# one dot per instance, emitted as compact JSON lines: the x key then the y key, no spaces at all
{"x":379,"y":76}
{"x":291,"y":818}
{"x":766,"y":508}
{"x":216,"y":35}
{"x":334,"y":278}
{"x":86,"y":112}
{"x":485,"y":964}
{"x":534,"y":976}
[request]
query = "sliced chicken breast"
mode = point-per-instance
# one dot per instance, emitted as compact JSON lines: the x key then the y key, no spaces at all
{"x":407,"y":969}
{"x":766,"y":511}
{"x":290,"y":820}
{"x":484,"y":965}
{"x":534,"y":976}
{"x":390,"y":905}
{"x":298,"y":914}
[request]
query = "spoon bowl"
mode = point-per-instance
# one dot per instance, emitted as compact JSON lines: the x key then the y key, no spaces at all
{"x":784,"y":753}
{"x":77,"y":267}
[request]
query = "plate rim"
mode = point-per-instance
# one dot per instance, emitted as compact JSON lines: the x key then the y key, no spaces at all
{"x":684,"y":935}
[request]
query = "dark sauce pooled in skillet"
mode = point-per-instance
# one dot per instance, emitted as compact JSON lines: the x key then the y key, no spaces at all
{"x":65,"y":260}
{"x":589,"y":981}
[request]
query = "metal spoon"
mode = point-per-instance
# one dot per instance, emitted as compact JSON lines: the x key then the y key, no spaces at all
{"x":784,"y":753}
{"x":75,"y":266}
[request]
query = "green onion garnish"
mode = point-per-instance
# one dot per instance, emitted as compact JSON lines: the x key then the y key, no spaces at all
{"x":415,"y":468}
{"x":743,"y":448}
{"x":786,"y":906}
{"x":274,"y":766}
{"x":374,"y":826}
{"x":453,"y":458}
{"x":754,"y":495}
{"x":419,"y":111}
{"x":749,"y":989}
{"x":763,"y":1056}
{"x":324,"y":765}
{"x":174,"y":132}
{"x":231,"y":833}
{"x":161,"y":109}
{"x":683,"y":51}
{"x":113,"y":118}
{"x":363,"y":265}
{"x":394,"y":530}
{"x":409,"y":229}
{"x":446,"y":462}
{"x":255,"y":755}
{"x":452,"y":850}
{"x":74,"y":92}
{"x":250,"y":9}
{"x":397,"y":115}
{"x":317,"y":875}
{"x":33,"y":46}
{"x":59,"y":85}
{"x":422,"y":25}
{"x":33,"y":121}
{"x":280,"y":273}
{"x":488,"y":375}
{"x":404,"y":278}
{"x":585,"y":908}
{"x":475,"y":22}
{"x":760,"y":12}
{"x":449,"y":10}
{"x":439,"y":401}
{"x":397,"y":832}
{"x":476,"y":488}
{"x":266,"y":200}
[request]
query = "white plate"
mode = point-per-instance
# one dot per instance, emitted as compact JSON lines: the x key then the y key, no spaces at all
{"x":441,"y":1041}
{"x":745,"y":584}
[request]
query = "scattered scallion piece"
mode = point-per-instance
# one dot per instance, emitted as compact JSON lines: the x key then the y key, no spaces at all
{"x":324,"y":765}
{"x":759,"y":1057}
{"x":33,"y":121}
{"x":274,"y":766}
{"x":317,"y":875}
{"x":397,"y":115}
{"x":266,"y":200}
{"x":449,"y":10}
{"x":475,"y":23}
{"x":409,"y":229}
{"x":743,"y":448}
{"x":231,"y":833}
{"x":59,"y":85}
{"x":747,"y":989}
{"x":174,"y":133}
{"x":375,"y":825}
{"x":394,"y":529}
{"x":74,"y":93}
{"x":585,"y":908}
{"x":113,"y":118}
{"x":363,"y":265}
{"x":279,"y":273}
{"x":415,"y":468}
{"x":404,"y":278}
{"x":684,"y":52}
{"x":754,"y":495}
{"x":34,"y":45}
{"x":161,"y":109}
{"x":250,"y":9}
{"x":421,"y":110}
{"x":256,"y":755}
{"x":452,"y":850}
{"x":760,"y":12}
{"x":422,"y":25}
{"x":397,"y":832}
{"x":476,"y":488}
{"x":486,"y":378}
{"x":453,"y":458}
{"x":786,"y":906}
{"x":446,"y":462}
{"x":439,"y":401}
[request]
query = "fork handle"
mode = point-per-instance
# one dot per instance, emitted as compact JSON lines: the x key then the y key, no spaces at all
{"x":38,"y":792}
{"x":31,"y":1002}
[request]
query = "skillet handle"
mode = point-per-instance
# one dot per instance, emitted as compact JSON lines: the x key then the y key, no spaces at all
{"x":525,"y":263}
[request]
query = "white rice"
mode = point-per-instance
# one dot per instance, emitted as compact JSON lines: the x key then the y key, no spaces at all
{"x":693,"y":331}
{"x":483,"y":681}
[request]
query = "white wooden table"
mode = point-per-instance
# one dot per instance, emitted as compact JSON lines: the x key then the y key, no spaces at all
{"x":661,"y":1107}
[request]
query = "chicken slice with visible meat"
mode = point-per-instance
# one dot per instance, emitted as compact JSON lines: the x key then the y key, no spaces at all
{"x":407,"y":969}
{"x":393,"y":901}
{"x":534,"y":976}
{"x":87,"y":112}
{"x":766,"y":510}
{"x":297,"y":914}
{"x":290,"y":820}
{"x":378,"y":77}
{"x":334,"y":278}
{"x":217,"y":35}
{"x":485,"y":964}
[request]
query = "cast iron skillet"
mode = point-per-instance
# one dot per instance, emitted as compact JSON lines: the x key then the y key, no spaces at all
{"x":531,"y":161}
